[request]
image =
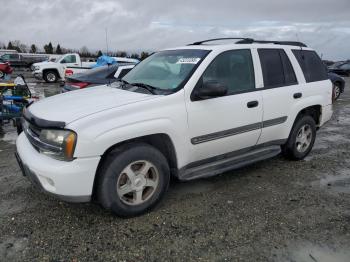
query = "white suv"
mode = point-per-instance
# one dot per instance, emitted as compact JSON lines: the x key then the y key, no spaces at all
{"x":189,"y":112}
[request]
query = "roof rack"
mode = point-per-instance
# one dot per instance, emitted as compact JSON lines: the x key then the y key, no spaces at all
{"x":251,"y":41}
{"x":224,"y":38}
{"x":243,"y":40}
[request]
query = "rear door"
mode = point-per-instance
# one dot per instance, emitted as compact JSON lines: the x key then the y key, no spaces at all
{"x":232,"y":122}
{"x":280,"y":91}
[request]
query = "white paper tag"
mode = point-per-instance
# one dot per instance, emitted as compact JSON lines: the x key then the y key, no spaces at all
{"x":188,"y":60}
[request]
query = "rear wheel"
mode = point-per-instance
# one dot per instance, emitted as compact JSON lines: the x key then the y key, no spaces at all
{"x":50,"y":76}
{"x":301,"y":138}
{"x":133,"y":180}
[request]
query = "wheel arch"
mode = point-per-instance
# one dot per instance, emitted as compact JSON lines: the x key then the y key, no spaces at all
{"x":51,"y":70}
{"x":315,"y":111}
{"x":160,"y":141}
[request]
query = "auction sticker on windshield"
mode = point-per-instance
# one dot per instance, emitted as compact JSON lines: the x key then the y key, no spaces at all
{"x":188,"y":60}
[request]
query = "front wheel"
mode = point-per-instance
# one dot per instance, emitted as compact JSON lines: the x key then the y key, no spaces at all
{"x":133,"y":180}
{"x":50,"y":76}
{"x":301,"y":138}
{"x":1,"y":74}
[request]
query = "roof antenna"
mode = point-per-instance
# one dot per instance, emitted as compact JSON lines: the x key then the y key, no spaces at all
{"x":106,"y":40}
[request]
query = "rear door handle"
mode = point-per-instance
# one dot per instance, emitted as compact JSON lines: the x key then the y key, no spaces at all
{"x":297,"y":95}
{"x":252,"y":104}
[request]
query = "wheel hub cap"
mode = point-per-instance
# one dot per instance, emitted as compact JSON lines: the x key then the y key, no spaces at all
{"x":137,"y":182}
{"x":304,"y":138}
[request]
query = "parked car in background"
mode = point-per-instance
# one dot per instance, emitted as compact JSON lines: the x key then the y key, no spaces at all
{"x":8,"y":51}
{"x":71,"y":70}
{"x":341,"y":68}
{"x":96,"y":76}
{"x":51,"y":72}
{"x":5,"y":69}
{"x":338,"y":84}
{"x":189,"y":112}
{"x":23,"y":59}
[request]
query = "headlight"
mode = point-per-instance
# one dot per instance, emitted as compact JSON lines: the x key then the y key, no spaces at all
{"x":36,"y":68}
{"x":60,"y":143}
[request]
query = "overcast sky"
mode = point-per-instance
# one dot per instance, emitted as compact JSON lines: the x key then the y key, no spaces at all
{"x":135,"y":25}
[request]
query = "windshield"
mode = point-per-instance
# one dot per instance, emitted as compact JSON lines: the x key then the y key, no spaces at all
{"x":166,"y":70}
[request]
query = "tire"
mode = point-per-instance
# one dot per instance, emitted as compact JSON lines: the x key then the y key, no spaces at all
{"x":117,"y":192}
{"x":18,"y":126}
{"x":301,"y":138}
{"x":1,"y":74}
{"x":336,"y":91}
{"x":50,"y":76}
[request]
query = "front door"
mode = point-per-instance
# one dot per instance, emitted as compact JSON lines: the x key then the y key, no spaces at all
{"x":232,"y":122}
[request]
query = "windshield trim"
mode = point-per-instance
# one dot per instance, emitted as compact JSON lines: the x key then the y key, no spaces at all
{"x":184,"y":82}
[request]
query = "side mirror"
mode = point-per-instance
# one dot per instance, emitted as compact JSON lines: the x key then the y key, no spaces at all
{"x":209,"y":90}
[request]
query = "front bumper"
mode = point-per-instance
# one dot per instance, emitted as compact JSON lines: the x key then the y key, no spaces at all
{"x":327,"y":112}
{"x":38,"y":75}
{"x":70,"y":181}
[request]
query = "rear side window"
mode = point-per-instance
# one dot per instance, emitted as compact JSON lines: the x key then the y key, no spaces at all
{"x":311,"y":64}
{"x":276,"y":68}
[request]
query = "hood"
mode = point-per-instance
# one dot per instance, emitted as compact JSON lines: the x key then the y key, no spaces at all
{"x":44,"y":63}
{"x":74,"y":105}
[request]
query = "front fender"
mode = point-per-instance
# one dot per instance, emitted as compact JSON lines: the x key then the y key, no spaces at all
{"x":100,"y":143}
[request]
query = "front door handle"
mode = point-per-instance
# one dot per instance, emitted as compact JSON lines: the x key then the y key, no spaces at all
{"x":252,"y":104}
{"x":297,"y":95}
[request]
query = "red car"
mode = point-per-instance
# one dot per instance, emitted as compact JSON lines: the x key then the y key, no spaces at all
{"x":5,"y":68}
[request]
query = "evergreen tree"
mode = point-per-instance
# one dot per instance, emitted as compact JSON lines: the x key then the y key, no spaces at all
{"x":144,"y":55}
{"x":48,"y":48}
{"x":58,"y":49}
{"x":99,"y":53}
{"x":33,"y":48}
{"x":10,"y":46}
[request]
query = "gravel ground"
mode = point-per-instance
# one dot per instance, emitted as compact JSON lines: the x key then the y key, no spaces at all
{"x":275,"y":210}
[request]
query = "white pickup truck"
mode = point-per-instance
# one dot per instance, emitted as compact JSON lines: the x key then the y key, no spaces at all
{"x":52,"y":71}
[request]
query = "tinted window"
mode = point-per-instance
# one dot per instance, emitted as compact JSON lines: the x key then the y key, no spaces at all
{"x":124,"y":72}
{"x":234,"y":69}
{"x":311,"y":64}
{"x":289,"y":74}
{"x":272,"y":67}
{"x":14,"y":56}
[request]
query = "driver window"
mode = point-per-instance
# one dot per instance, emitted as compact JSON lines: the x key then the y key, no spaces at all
{"x":234,"y":69}
{"x":69,"y":59}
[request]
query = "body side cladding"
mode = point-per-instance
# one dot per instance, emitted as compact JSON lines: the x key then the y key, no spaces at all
{"x":238,"y":130}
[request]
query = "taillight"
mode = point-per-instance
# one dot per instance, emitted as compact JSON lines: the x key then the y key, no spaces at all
{"x":80,"y":85}
{"x":68,"y":72}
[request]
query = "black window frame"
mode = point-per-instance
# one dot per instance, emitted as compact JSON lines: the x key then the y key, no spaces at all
{"x":284,"y":69}
{"x":199,"y":82}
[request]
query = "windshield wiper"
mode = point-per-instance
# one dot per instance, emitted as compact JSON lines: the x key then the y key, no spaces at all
{"x":149,"y":88}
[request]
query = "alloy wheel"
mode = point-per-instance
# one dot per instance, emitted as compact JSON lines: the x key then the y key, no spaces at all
{"x":137,"y":182}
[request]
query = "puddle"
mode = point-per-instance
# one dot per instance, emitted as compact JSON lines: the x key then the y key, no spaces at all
{"x":313,"y":253}
{"x":8,"y":134}
{"x":339,"y":183}
{"x":335,"y":138}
